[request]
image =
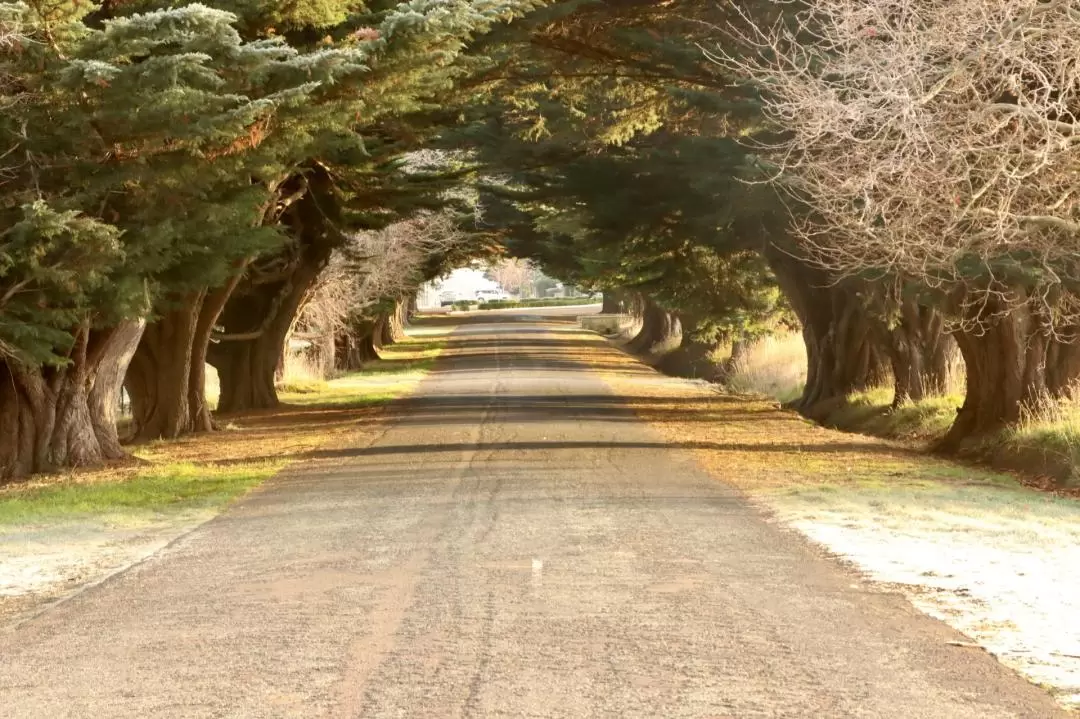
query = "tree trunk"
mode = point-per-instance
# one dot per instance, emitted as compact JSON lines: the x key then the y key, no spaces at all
{"x":693,"y":357}
{"x":325,"y":351}
{"x":1005,"y":358}
{"x":660,"y":331}
{"x":259,"y":315}
{"x":108,"y":383}
{"x":157,"y":380}
{"x":212,"y":307}
{"x":56,"y":418}
{"x":613,"y":303}
{"x":356,"y":348}
{"x":842,"y":353}
{"x":167,"y":377}
{"x":633,"y":305}
{"x":1063,"y":365}
{"x":393,"y":326}
{"x":740,"y":349}
{"x":920,"y":353}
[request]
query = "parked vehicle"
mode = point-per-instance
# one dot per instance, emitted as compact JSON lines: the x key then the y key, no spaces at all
{"x":489,"y":295}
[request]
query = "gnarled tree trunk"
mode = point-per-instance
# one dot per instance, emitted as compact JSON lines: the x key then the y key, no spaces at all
{"x":660,"y":331}
{"x":1005,"y":354}
{"x":843,"y":354}
{"x":104,"y":395}
{"x":740,"y":349}
{"x":356,"y":347}
{"x":1063,"y":364}
{"x":167,"y":377}
{"x":260,"y":313}
{"x":393,"y":325}
{"x":694,"y":355}
{"x":920,"y":352}
{"x":55,"y":418}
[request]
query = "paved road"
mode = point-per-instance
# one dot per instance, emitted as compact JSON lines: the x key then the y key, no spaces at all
{"x":514,"y":544}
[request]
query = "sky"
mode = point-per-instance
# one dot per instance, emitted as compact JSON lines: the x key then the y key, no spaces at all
{"x":465,"y":281}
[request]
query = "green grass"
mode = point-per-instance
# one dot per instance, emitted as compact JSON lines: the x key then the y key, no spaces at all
{"x":166,"y":488}
{"x":378,"y":383}
{"x":340,"y":397}
{"x":303,"y":386}
{"x":869,"y":412}
{"x":392,"y":367}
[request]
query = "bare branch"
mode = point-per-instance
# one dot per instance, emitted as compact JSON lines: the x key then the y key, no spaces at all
{"x":374,"y":266}
{"x":933,"y":139}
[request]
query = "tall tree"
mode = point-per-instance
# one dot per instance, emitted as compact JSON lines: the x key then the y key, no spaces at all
{"x":115,"y":128}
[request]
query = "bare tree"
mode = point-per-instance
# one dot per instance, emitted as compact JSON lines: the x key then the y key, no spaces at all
{"x":938,"y":142}
{"x":934,"y":140}
{"x":513,"y":274}
{"x":372,"y":267}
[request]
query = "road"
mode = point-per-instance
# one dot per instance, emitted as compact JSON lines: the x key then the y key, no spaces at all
{"x":514,"y":543}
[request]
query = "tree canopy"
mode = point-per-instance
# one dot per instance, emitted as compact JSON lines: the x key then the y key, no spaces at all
{"x":181,"y":181}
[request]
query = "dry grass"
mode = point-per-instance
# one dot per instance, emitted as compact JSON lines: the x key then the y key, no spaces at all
{"x":774,"y":366}
{"x":1045,"y":444}
{"x":975,"y":548}
{"x":300,"y":368}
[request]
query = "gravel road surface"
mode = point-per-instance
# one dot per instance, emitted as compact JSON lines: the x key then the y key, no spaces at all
{"x":514,"y":543}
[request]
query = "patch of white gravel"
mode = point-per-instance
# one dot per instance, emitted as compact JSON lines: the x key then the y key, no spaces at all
{"x":43,"y":564}
{"x":1007,"y":575}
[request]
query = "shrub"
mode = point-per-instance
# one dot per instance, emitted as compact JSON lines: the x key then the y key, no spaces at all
{"x":544,"y":302}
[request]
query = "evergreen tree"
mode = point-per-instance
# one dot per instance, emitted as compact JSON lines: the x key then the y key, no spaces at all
{"x":122,"y":129}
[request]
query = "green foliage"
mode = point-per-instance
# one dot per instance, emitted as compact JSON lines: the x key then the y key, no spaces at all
{"x":53,"y":266}
{"x":617,"y":149}
{"x":164,"y":144}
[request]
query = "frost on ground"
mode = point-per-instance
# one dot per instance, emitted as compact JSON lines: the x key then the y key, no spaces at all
{"x":40,"y":565}
{"x":1004,"y":574}
{"x":997,"y":561}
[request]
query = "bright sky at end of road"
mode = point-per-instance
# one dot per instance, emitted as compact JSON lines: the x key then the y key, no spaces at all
{"x":466,"y":281}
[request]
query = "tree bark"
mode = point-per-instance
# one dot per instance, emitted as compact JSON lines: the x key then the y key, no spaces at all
{"x":260,"y":313}
{"x":157,"y":380}
{"x":920,"y":353}
{"x":613,"y":303}
{"x":212,"y":307}
{"x":842,"y":353}
{"x":104,"y":395}
{"x":660,"y":330}
{"x":1063,"y":364}
{"x":393,"y":325}
{"x":1005,"y":355}
{"x":356,"y":348}
{"x":54,"y":418}
{"x":167,"y":377}
{"x":693,"y":357}
{"x":740,"y":349}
